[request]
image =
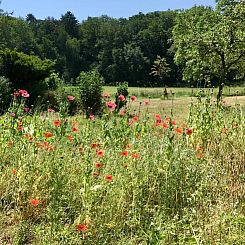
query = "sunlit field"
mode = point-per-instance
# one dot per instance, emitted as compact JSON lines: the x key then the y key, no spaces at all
{"x":162,"y":171}
{"x":176,"y":92}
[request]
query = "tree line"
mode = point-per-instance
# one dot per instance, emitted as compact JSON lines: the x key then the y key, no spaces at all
{"x":167,"y":47}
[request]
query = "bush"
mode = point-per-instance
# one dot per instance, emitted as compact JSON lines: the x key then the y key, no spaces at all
{"x":90,"y":86}
{"x":5,"y":94}
{"x":53,"y":81}
{"x":25,"y":71}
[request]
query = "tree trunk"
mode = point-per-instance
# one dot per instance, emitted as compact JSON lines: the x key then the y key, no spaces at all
{"x":223,"y":79}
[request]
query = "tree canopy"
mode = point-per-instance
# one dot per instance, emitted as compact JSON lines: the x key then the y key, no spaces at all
{"x":211,"y":43}
{"x":197,"y":44}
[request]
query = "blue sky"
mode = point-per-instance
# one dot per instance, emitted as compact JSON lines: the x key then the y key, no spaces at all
{"x":84,"y":8}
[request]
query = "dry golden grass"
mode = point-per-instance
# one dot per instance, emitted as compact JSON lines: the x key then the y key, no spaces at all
{"x":178,"y":107}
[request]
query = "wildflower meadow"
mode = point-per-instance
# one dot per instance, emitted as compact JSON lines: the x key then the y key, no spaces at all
{"x":131,"y":177}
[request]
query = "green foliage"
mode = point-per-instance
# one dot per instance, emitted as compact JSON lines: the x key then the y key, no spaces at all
{"x":160,"y":68}
{"x":25,"y":71}
{"x":5,"y":94}
{"x":211,"y":42}
{"x":90,"y":87}
{"x":16,"y":34}
{"x":53,"y":81}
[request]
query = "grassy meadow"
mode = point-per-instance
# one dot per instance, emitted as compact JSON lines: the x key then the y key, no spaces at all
{"x":176,"y":92}
{"x":163,"y":171}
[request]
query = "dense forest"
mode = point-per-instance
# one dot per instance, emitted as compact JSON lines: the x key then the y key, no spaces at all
{"x":169,"y":47}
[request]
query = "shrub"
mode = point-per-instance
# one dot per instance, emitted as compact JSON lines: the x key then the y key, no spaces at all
{"x":25,"y":71}
{"x":53,"y":81}
{"x":90,"y":86}
{"x":59,"y":100}
{"x":5,"y":94}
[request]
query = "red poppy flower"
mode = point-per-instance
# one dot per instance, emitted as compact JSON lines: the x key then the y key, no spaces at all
{"x":100,"y":153}
{"x":108,"y":177}
{"x":199,"y":149}
{"x":14,"y":171}
{"x":34,"y":202}
{"x":157,"y":116}
{"x":135,"y":155}
{"x":75,"y":130}
{"x":70,"y":138}
{"x":146,"y":102}
{"x":48,"y":135}
{"x":188,"y":131}
{"x":164,"y":125}
{"x":199,"y":155}
{"x":95,"y":174}
{"x":121,"y":97}
{"x":57,"y":123}
{"x":125,"y":153}
{"x":26,"y":109}
{"x":31,"y":138}
{"x":98,"y":165}
{"x":173,"y":122}
{"x":94,"y":145}
{"x":133,"y":98}
{"x":47,"y":146}
{"x":135,"y":118}
{"x":178,"y":130}
{"x":20,"y":128}
{"x":38,"y":144}
{"x":82,"y":228}
{"x":158,"y":122}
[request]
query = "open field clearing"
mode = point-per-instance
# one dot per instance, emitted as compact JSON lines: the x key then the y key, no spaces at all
{"x":178,"y":107}
{"x":178,"y":92}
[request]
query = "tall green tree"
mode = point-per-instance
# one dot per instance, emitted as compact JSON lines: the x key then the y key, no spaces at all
{"x":211,"y":42}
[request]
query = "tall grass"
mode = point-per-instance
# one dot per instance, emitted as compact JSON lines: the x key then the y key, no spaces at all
{"x":132,"y":179}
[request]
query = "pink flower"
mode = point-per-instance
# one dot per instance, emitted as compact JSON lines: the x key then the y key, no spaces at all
{"x":146,"y":102}
{"x":111,"y":105}
{"x":133,"y":98}
{"x":23,"y":93}
{"x":121,"y":98}
{"x":106,"y":95}
{"x":12,"y":114}
{"x":50,"y":110}
{"x":91,"y":117}
{"x":70,"y":98}
{"x":26,"y":109}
